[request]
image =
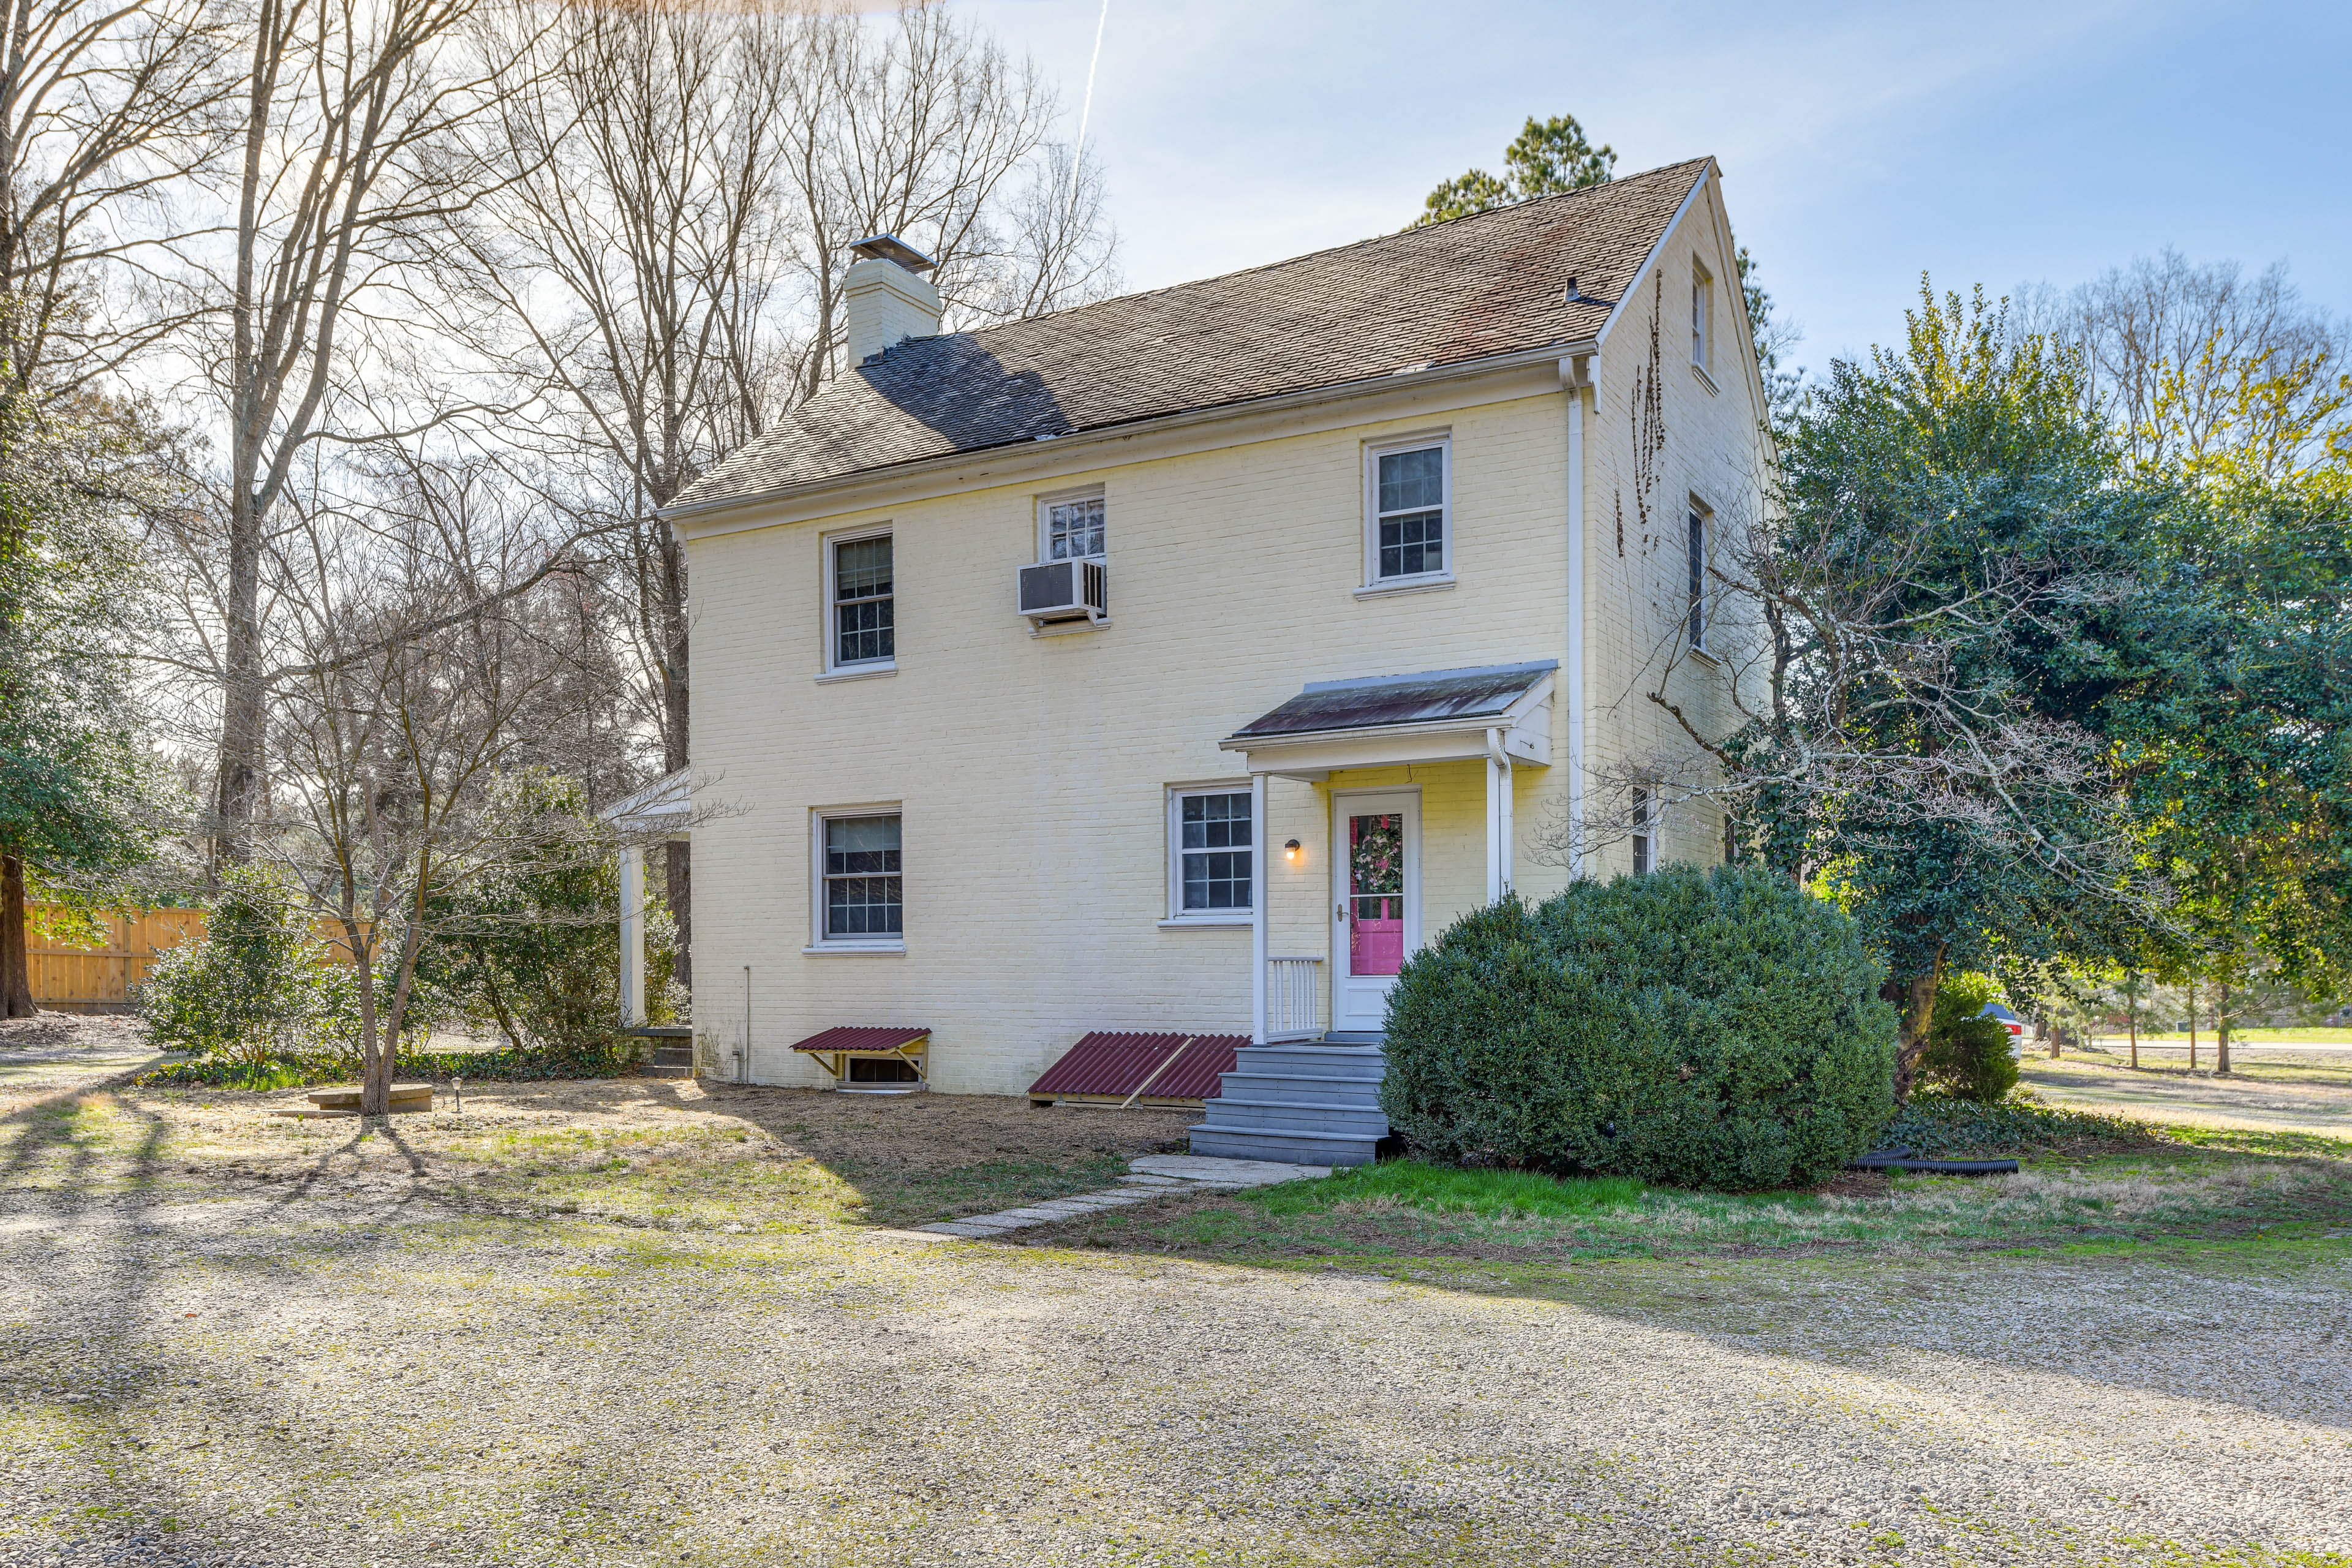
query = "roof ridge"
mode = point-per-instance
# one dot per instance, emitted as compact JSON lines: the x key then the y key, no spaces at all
{"x":1581,"y":191}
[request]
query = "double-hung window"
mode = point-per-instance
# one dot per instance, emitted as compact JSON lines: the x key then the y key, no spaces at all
{"x":861,"y":594}
{"x":1072,"y":529}
{"x":1695,"y":556}
{"x":1702,"y":318}
{"x":1212,"y":850}
{"x":1410,"y":493}
{"x":861,"y":901}
{"x":1645,"y":833}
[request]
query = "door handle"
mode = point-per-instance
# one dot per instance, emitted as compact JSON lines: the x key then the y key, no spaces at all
{"x":1340,"y":913}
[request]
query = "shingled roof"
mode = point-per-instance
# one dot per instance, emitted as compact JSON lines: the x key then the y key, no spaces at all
{"x":1469,"y":289}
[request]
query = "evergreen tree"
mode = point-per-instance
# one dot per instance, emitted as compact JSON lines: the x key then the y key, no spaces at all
{"x":76,"y":788}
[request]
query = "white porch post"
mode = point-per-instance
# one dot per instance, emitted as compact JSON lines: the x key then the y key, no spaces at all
{"x":633,"y":937}
{"x":1499,"y":819}
{"x":1261,"y":843}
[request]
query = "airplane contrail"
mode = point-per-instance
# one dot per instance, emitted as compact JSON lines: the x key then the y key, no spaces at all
{"x":1087,"y":111}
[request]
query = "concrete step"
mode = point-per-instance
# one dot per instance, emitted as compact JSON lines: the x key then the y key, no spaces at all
{"x":1299,"y":1148}
{"x":1229,"y":1112}
{"x":665,"y":1069}
{"x":1365,"y":1062}
{"x":1307,"y":1090}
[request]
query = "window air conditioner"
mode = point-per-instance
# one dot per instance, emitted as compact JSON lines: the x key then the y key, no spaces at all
{"x":1054,"y":591}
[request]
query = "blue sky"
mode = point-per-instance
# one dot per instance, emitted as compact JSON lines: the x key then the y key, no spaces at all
{"x":1861,"y":143}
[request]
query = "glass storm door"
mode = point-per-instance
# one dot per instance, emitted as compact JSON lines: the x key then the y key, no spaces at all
{"x":1376,"y":911}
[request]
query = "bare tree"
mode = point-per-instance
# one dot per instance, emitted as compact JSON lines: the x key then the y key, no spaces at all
{"x":107,"y":107}
{"x":683,"y":184}
{"x":431,"y":664}
{"x":349,"y":164}
{"x":2194,"y":364}
{"x":926,"y":129}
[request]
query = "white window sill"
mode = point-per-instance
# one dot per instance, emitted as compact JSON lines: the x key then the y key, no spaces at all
{"x":1406,"y":586}
{"x":855,"y":950}
{"x":1707,"y":656}
{"x":1205,"y":922}
{"x":857,"y":672}
{"x":1065,"y":628}
{"x":1706,"y":380}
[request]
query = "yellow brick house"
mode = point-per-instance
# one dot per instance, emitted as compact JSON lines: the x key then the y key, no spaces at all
{"x":1179,"y":663}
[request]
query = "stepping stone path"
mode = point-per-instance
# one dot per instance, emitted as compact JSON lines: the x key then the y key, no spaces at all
{"x":1152,"y":1176}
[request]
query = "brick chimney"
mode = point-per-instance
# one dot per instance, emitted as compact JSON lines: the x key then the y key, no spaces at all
{"x":884,"y":298}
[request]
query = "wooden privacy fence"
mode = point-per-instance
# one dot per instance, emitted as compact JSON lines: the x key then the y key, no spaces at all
{"x":99,"y":979}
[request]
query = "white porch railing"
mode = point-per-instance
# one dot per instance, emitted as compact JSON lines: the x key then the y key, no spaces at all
{"x":1293,"y":1010}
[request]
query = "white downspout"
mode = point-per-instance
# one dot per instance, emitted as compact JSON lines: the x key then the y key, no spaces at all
{"x":1576,"y":373}
{"x":1261,"y":840}
{"x":633,"y":937}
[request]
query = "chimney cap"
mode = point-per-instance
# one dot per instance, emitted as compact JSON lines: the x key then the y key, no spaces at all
{"x":890,"y":248}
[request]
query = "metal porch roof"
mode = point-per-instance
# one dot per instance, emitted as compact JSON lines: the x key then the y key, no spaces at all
{"x":1435,"y":695}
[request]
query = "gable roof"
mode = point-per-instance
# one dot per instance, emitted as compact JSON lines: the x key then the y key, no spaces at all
{"x":1478,"y":286}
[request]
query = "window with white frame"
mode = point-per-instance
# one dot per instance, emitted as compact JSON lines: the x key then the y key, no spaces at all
{"x":1410,"y":487}
{"x":1645,"y":833}
{"x":861,"y":595}
{"x":1070,"y":528}
{"x":1695,"y":556}
{"x":1212,"y":849}
{"x":1702,"y":317}
{"x":860,"y":897}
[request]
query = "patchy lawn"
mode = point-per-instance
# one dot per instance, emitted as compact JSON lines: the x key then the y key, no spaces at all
{"x":1400,"y":1215}
{"x":627,"y":1323}
{"x":2283,"y":1091}
{"x":641,"y":1151}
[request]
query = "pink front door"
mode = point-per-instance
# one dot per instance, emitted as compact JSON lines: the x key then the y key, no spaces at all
{"x":1375,"y":892}
{"x":1374,"y":919}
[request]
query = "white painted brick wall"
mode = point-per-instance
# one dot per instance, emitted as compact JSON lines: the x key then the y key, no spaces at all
{"x":1031,"y":771}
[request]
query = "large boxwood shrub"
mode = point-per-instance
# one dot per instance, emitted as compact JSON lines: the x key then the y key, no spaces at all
{"x":1703,"y":1029}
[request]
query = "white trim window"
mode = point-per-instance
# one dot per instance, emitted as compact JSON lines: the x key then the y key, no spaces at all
{"x":860,"y":890}
{"x":1212,"y":853}
{"x":1070,"y":528}
{"x":1695,"y":550}
{"x":1409,"y":505}
{"x":1702,"y":318}
{"x":1644,"y":814}
{"x":861,"y":602}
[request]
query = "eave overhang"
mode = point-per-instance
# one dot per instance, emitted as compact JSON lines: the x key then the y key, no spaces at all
{"x":1501,"y":712}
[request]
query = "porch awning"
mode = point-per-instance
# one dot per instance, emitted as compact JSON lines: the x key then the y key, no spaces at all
{"x":664,"y":809}
{"x":1434,"y":716}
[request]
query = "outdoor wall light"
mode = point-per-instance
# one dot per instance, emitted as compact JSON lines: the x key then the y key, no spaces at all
{"x":1290,"y":850}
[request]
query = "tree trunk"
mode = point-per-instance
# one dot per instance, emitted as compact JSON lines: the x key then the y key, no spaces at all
{"x":2222,"y":1028}
{"x":2192,"y":1026}
{"x":2131,"y":1010}
{"x":15,"y":963}
{"x":1914,"y":1001}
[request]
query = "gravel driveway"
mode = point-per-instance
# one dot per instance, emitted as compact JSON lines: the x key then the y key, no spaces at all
{"x":348,"y":1377}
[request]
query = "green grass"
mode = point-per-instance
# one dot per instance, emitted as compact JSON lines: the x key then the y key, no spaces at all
{"x":1407,"y":1210}
{"x":1441,"y":1190}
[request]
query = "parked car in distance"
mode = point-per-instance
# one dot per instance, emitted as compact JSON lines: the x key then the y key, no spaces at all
{"x":2010,"y":1021}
